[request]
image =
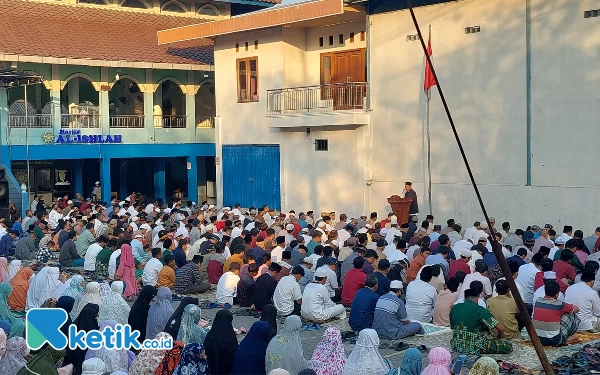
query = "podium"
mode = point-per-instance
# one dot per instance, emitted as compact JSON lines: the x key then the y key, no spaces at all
{"x":400,"y":207}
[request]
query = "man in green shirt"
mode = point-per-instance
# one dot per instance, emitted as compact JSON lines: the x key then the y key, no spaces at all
{"x":104,"y":257}
{"x":85,"y":239}
{"x":469,"y":323}
{"x":39,"y":233}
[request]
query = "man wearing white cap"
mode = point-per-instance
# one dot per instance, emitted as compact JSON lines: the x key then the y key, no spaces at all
{"x":394,"y":231}
{"x":316,"y":302}
{"x":308,"y":273}
{"x":391,"y":320}
{"x":289,"y":234}
{"x":588,"y":301}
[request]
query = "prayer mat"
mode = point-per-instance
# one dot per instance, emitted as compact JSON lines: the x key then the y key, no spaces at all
{"x":432,"y":329}
{"x":584,"y":336}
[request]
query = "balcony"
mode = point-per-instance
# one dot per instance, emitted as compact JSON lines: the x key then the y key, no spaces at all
{"x":170,"y":122}
{"x":30,"y":121}
{"x":127,"y":121}
{"x":205,"y":123}
{"x":319,"y":105}
{"x":81,"y":116}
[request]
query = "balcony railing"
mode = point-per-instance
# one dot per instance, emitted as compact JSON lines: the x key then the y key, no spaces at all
{"x":170,"y":122}
{"x":79,"y":121}
{"x":205,"y":122}
{"x":30,"y":121}
{"x":318,"y":98}
{"x":127,"y":121}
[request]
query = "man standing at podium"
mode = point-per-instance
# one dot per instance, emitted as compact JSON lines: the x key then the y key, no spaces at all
{"x":410,"y":193}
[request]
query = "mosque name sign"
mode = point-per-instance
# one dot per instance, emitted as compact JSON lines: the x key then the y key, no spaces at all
{"x":75,"y":136}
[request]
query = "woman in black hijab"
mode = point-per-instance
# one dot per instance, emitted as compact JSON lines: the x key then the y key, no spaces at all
{"x":66,"y":303}
{"x":174,"y":321}
{"x":269,"y":314}
{"x":221,"y":344}
{"x":86,"y":321}
{"x":138,"y":316}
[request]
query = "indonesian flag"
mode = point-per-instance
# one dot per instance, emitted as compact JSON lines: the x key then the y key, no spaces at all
{"x":429,"y":78}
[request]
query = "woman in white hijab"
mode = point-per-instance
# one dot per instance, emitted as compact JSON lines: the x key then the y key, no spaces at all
{"x":74,"y":290}
{"x":92,"y":295}
{"x":93,"y":366}
{"x":14,"y":358}
{"x":365,"y":358}
{"x":285,"y":349}
{"x":13,"y":267}
{"x":113,"y":306}
{"x":42,"y":287}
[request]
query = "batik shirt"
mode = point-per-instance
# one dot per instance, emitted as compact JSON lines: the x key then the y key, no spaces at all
{"x":469,"y":323}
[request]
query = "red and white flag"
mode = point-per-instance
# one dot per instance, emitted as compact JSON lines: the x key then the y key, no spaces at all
{"x":429,"y":78}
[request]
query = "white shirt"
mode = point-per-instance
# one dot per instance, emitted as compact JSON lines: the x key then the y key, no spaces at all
{"x":343,"y":235}
{"x":564,"y":237}
{"x":588,"y":301}
{"x":396,"y":256}
{"x":227,"y":287}
{"x":420,"y":300}
{"x":470,"y":233}
{"x":475,"y":256}
{"x":112,"y":263}
{"x":553,"y":252}
{"x":53,"y":219}
{"x":331,"y":284}
{"x":391,"y":233}
{"x":316,"y":303}
{"x":286,"y":292}
{"x":89,"y":263}
{"x":487,"y":286}
{"x":33,"y":206}
{"x":151,"y":270}
{"x":459,"y":246}
{"x":410,"y":252}
{"x":526,"y":279}
{"x":276,"y":254}
{"x":454,"y":237}
{"x":236,"y":232}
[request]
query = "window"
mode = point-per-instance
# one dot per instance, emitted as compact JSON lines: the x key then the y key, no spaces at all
{"x":321,"y":145}
{"x":320,"y":41}
{"x":351,"y":37}
{"x":331,"y":40}
{"x":341,"y":38}
{"x":247,"y":72}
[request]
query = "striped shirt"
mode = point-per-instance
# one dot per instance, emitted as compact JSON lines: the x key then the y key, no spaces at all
{"x":547,"y":314}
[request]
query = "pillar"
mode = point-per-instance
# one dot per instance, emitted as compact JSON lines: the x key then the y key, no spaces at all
{"x":192,"y":174}
{"x":148,"y":110}
{"x":79,"y":177}
{"x":157,"y":107}
{"x":123,"y":192}
{"x":190,"y":112}
{"x":3,"y":118}
{"x":104,"y":111}
{"x":56,"y":110}
{"x":159,"y":179}
{"x":105,"y":178}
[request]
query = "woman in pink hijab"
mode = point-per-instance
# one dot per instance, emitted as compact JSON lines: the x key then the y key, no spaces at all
{"x":126,"y":272}
{"x":3,"y":269}
{"x":439,"y":362}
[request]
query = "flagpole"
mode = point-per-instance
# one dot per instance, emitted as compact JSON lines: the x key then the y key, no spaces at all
{"x":429,"y":143}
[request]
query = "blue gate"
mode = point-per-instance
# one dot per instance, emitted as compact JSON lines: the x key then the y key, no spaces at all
{"x":251,"y":175}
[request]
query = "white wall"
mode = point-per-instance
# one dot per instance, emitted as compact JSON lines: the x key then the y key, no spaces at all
{"x":484,"y":79}
{"x":310,"y":180}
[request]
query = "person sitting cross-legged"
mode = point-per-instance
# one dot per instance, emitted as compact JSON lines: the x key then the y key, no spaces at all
{"x":287,"y":297}
{"x":316,"y":301}
{"x":504,"y":308}
{"x":363,"y":305}
{"x":554,"y":321}
{"x":470,"y":322}
{"x":587,"y":299}
{"x":390,"y":319}
{"x":245,"y":287}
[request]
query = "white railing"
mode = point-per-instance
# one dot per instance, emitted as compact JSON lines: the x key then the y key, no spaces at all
{"x":318,"y":98}
{"x":30,"y":121}
{"x":127,"y":121}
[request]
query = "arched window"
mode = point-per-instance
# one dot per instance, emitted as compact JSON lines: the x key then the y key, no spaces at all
{"x":99,"y":2}
{"x":140,"y":4}
{"x":209,"y":10}
{"x":173,"y":6}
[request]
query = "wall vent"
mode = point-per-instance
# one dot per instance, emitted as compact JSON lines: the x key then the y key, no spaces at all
{"x":472,"y":29}
{"x":591,"y":13}
{"x":321,"y":145}
{"x":412,"y":38}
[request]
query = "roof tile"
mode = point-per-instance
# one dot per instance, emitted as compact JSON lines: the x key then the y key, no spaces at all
{"x":81,"y":32}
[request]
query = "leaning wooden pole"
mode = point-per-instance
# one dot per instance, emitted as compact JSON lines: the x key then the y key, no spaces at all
{"x":497,"y":248}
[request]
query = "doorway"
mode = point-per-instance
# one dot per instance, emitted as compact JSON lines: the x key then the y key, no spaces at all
{"x":344,"y":75}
